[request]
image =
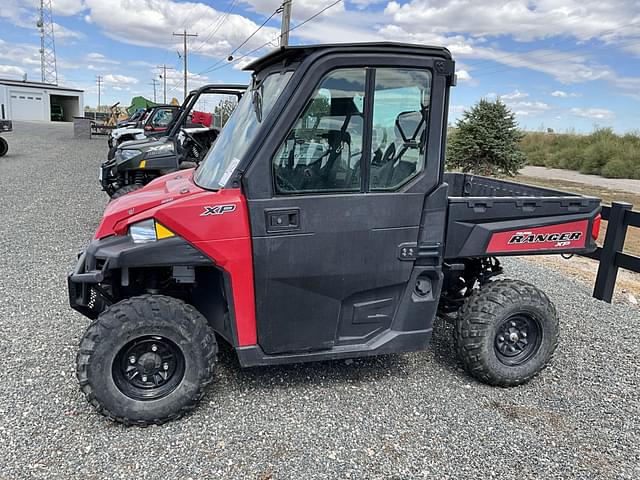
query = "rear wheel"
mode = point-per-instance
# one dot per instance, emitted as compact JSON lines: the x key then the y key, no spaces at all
{"x":4,"y":147}
{"x":146,"y":360}
{"x":506,"y":332}
{"x":124,"y":190}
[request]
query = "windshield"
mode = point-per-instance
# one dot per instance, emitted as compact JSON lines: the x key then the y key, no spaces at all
{"x":226,"y":153}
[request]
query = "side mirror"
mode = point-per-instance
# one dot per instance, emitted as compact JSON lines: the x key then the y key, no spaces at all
{"x":409,"y":124}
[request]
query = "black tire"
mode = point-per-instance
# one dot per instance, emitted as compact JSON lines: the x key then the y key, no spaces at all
{"x":149,"y":322}
{"x":506,"y":332}
{"x":4,"y":147}
{"x":124,"y":190}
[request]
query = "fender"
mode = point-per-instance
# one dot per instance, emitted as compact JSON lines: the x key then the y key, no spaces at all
{"x":222,"y":239}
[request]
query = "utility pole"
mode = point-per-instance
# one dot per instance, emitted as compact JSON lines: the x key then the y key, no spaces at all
{"x":154,"y":81}
{"x":286,"y":21}
{"x":163,"y":76}
{"x":184,"y":36}
{"x":99,"y":80}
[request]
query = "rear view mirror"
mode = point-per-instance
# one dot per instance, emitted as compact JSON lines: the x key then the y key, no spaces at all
{"x":409,"y":124}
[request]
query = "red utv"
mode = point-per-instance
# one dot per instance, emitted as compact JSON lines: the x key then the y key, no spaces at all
{"x":321,"y":225}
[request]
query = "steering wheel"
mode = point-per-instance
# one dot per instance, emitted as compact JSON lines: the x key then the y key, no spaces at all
{"x":193,"y":139}
{"x":285,"y":184}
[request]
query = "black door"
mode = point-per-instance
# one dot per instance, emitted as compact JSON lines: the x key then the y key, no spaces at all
{"x":333,"y":245}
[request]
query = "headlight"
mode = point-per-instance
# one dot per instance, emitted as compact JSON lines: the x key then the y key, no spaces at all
{"x":126,"y":154}
{"x":166,"y":149}
{"x":149,"y":231}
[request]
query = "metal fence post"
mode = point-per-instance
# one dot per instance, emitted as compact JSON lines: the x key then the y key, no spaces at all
{"x":613,"y":243}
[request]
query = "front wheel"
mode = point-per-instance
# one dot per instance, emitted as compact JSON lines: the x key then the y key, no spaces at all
{"x":4,"y":147}
{"x":146,"y":360}
{"x":124,"y":190}
{"x":506,"y":332}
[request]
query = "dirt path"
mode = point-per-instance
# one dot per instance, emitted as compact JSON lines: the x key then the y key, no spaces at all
{"x":622,"y":184}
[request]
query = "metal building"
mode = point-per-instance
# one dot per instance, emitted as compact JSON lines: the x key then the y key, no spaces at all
{"x":42,"y":102}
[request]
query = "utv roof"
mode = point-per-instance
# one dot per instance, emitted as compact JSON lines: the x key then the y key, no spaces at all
{"x":301,"y":51}
{"x":220,"y":86}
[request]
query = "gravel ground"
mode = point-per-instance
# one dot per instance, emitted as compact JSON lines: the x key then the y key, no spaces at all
{"x":404,"y":416}
{"x":621,"y":184}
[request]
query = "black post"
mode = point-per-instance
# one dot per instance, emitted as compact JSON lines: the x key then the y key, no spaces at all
{"x":613,"y":243}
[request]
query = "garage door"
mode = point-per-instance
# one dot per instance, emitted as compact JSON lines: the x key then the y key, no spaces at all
{"x":27,"y":106}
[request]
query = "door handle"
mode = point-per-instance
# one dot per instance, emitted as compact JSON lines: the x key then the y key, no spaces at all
{"x":282,"y":220}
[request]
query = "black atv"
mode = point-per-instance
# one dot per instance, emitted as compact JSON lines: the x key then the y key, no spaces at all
{"x":187,"y":141}
{"x":5,"y":126}
{"x":154,"y":123}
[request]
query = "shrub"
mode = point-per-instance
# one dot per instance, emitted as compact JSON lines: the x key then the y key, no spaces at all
{"x":602,"y":152}
{"x":486,"y":141}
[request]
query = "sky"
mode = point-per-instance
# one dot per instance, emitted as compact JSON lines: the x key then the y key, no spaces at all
{"x":569,"y":65}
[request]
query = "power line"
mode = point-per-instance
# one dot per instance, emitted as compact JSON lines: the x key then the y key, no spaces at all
{"x":277,"y":10}
{"x":317,"y":14}
{"x":230,"y":55}
{"x":216,"y":27}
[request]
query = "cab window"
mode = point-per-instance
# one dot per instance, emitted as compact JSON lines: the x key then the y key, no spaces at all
{"x":162,"y":118}
{"x":400,"y":119}
{"x":323,"y":150}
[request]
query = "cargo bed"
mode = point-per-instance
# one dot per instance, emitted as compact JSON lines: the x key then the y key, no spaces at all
{"x":492,"y":217}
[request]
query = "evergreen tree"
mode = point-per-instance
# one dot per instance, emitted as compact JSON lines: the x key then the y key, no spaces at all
{"x":486,"y":141}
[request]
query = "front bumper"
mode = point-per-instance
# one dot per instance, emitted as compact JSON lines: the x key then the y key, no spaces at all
{"x":106,"y":177}
{"x":101,"y":274}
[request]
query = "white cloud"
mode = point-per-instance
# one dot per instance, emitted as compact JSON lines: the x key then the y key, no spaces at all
{"x":524,"y":20}
{"x":112,"y":79}
{"x":96,"y":57}
{"x":463,"y":75}
{"x":147,"y":24}
{"x":518,"y":105}
{"x":11,"y":71}
{"x":300,"y":9}
{"x":563,"y":94}
{"x":65,"y":7}
{"x":65,"y":34}
{"x":529,"y":109}
{"x":517,"y":94}
{"x":594,"y":113}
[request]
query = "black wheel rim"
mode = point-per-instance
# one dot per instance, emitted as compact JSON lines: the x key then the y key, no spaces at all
{"x":148,"y":368}
{"x":517,"y":339}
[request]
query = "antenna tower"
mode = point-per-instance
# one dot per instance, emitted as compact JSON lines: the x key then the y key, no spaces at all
{"x":48,"y":66}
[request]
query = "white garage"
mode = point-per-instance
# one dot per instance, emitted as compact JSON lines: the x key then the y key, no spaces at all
{"x":41,"y":102}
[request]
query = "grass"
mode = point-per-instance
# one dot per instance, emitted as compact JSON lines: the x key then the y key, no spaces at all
{"x":602,"y":152}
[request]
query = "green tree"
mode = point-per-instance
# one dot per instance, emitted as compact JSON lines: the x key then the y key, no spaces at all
{"x":486,"y":141}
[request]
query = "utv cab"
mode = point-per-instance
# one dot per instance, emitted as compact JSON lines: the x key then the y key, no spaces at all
{"x":321,"y":225}
{"x":183,"y":144}
{"x":154,"y":123}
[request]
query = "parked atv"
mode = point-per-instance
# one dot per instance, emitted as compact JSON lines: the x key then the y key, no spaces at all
{"x":154,"y":123}
{"x":186,"y":142}
{"x":5,"y":126}
{"x":321,"y":225}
